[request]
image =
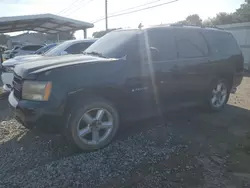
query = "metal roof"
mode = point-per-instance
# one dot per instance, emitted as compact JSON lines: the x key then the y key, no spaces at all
{"x":44,"y":23}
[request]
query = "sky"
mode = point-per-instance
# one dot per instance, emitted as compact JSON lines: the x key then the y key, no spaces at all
{"x":91,"y":10}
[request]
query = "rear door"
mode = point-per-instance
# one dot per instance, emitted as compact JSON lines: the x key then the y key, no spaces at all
{"x":192,"y":70}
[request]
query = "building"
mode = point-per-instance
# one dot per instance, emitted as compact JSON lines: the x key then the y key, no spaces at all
{"x":26,"y":38}
{"x":241,"y":32}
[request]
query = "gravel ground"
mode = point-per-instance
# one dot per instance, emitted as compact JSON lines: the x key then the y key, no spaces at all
{"x":188,"y":148}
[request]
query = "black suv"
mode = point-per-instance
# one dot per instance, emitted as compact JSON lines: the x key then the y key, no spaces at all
{"x":127,"y":74}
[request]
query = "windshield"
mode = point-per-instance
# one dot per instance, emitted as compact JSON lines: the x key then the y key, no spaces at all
{"x":112,"y":44}
{"x":58,"y":49}
{"x":44,"y":49}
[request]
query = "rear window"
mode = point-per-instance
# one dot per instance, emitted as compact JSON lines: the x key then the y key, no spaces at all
{"x":31,"y":48}
{"x":222,"y":43}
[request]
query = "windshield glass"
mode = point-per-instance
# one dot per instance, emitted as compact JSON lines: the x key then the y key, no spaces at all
{"x":58,"y":49}
{"x":112,"y":44}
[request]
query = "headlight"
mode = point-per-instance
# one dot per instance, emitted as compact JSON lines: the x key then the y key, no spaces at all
{"x":8,"y":69}
{"x":37,"y":91}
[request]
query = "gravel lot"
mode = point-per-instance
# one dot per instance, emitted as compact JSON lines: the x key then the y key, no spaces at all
{"x":187,"y":148}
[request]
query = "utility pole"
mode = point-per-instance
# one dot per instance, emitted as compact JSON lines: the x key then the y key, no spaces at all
{"x":106,"y":14}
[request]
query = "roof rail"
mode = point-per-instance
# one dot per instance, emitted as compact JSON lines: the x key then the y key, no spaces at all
{"x":202,"y":26}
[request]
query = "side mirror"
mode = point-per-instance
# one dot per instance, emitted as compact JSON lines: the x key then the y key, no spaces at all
{"x":63,"y":53}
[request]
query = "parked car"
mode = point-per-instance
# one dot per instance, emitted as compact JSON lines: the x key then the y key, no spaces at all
{"x":24,"y":50}
{"x":7,"y":53}
{"x":67,"y":47}
{"x":44,"y":49}
{"x":127,"y":75}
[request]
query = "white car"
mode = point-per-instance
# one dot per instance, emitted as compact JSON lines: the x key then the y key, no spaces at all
{"x":25,"y":50}
{"x":67,"y":47}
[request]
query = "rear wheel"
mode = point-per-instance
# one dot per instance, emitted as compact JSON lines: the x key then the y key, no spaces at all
{"x":93,"y":124}
{"x":218,"y":95}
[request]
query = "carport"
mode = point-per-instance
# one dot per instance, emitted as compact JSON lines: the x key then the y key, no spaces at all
{"x":44,"y":23}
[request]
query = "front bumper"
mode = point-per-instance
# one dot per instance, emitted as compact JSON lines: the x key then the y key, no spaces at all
{"x":36,"y":114}
{"x":7,"y":79}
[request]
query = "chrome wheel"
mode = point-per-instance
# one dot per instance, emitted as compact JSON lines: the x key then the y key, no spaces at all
{"x":95,"y":126}
{"x":219,"y":95}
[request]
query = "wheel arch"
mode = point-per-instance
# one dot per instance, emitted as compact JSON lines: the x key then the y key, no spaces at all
{"x":109,"y":93}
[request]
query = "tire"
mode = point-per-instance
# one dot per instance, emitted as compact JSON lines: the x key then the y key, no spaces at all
{"x":84,"y":118}
{"x":214,"y":94}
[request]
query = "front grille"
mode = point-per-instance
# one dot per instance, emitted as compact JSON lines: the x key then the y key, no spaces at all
{"x":17,"y":86}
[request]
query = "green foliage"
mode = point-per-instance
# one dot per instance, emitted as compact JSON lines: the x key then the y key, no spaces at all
{"x":240,"y":15}
{"x":192,"y":20}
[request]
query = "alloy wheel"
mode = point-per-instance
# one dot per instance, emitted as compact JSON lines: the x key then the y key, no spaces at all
{"x":95,"y":126}
{"x":219,"y":95}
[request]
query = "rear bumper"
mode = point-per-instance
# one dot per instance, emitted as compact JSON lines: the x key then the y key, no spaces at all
{"x":36,"y":114}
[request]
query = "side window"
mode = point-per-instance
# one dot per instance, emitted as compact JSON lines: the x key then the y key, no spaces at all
{"x":74,"y":49}
{"x":84,"y":46}
{"x":162,"y":41}
{"x":191,"y":44}
{"x":31,"y":48}
{"x":222,"y":43}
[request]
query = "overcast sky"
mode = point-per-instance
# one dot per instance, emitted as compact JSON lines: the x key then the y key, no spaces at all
{"x":91,"y":10}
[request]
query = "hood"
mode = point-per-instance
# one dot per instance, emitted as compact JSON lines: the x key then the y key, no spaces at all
{"x":20,"y":59}
{"x":26,"y":56}
{"x":48,"y":63}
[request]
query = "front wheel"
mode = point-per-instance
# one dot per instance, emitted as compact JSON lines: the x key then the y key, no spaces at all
{"x":218,"y":95}
{"x":93,"y":124}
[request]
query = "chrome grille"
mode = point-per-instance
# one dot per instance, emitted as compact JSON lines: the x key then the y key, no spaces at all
{"x":17,"y":86}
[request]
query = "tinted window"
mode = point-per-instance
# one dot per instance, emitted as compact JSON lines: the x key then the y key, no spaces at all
{"x":31,"y":48}
{"x":191,"y":44}
{"x":16,"y":48}
{"x":45,"y":49}
{"x":163,"y":41}
{"x":112,"y":44}
{"x":222,"y":43}
{"x":78,"y":48}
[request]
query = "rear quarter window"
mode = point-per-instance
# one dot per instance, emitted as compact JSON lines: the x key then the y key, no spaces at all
{"x":222,"y":43}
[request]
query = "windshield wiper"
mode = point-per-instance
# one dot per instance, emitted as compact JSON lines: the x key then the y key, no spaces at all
{"x":94,"y":54}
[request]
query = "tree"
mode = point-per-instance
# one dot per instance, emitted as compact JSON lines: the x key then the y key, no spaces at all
{"x":193,"y":19}
{"x":99,"y":34}
{"x":223,"y":18}
{"x":243,"y":13}
{"x":240,"y":15}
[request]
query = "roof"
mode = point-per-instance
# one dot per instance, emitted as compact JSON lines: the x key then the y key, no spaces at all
{"x":78,"y":41}
{"x":44,"y":23}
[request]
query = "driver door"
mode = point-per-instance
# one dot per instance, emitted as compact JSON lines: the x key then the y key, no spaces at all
{"x":163,"y":64}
